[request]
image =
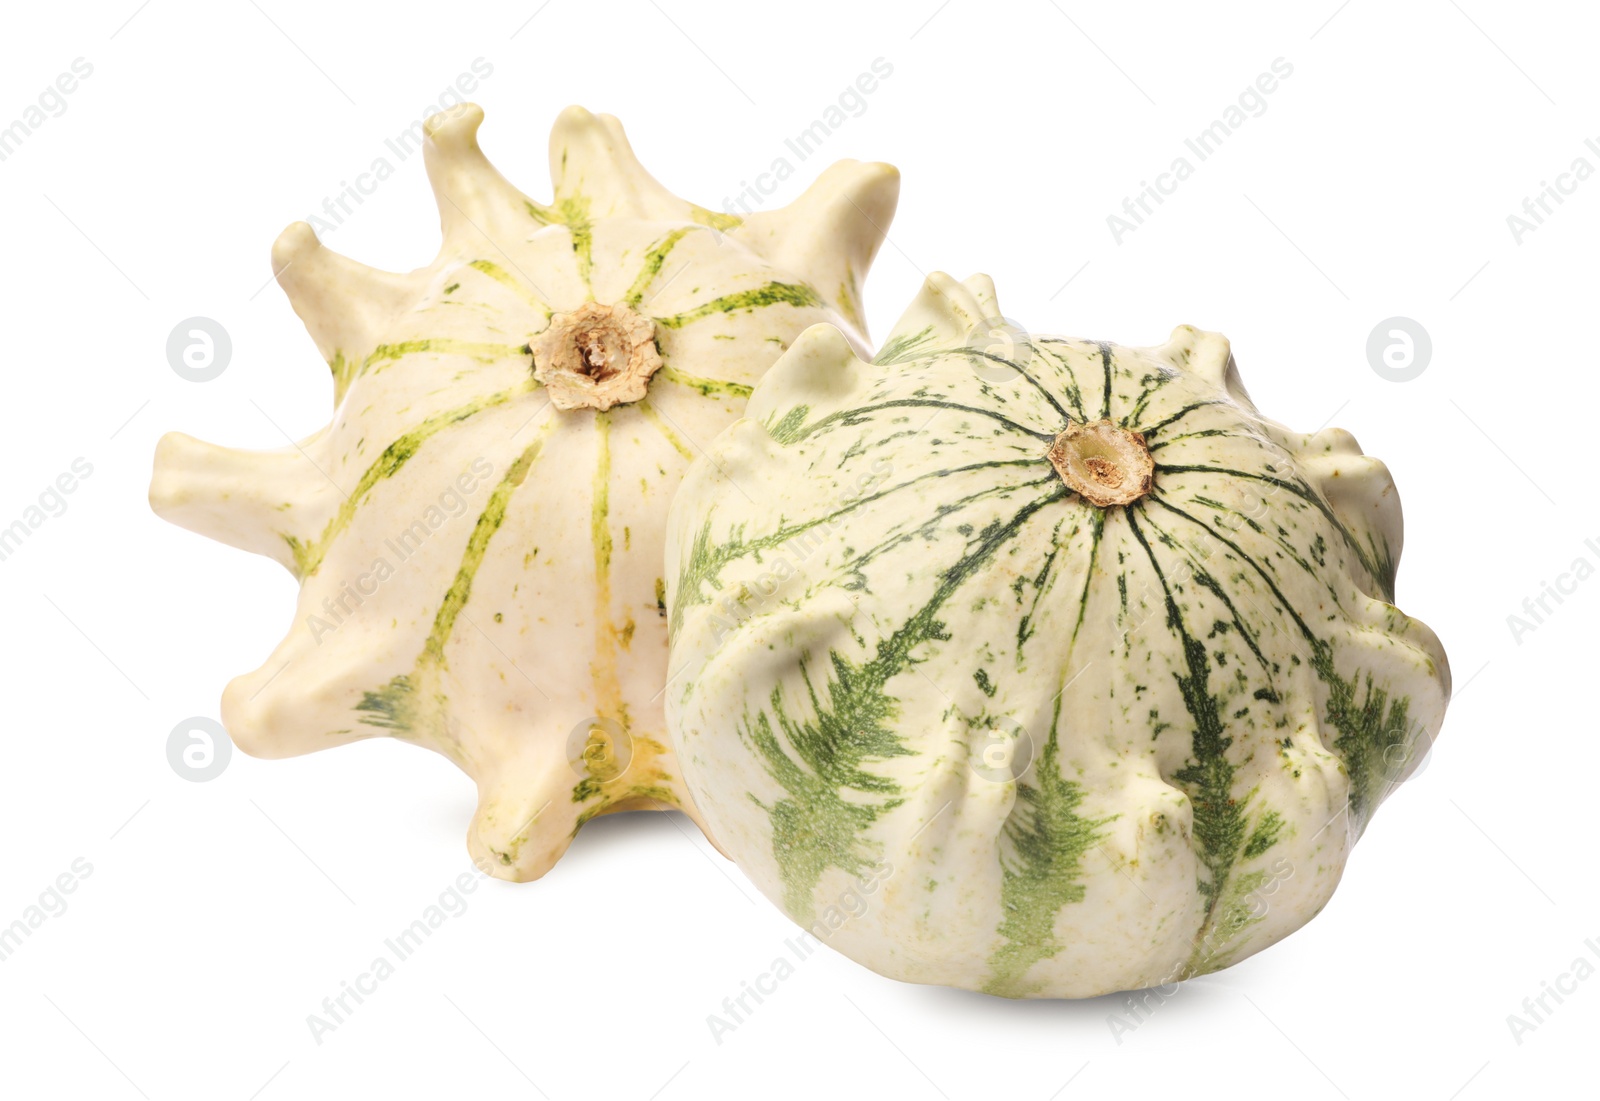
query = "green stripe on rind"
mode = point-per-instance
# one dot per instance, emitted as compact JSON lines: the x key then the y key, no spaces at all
{"x":1219,"y":822}
{"x":817,"y":827}
{"x":1048,"y":839}
{"x":600,"y":501}
{"x":646,"y":776}
{"x":772,"y":294}
{"x":1041,"y":582}
{"x":411,"y":702}
{"x":852,"y":417}
{"x":1150,"y":433}
{"x":1233,"y":833}
{"x":1152,"y":385}
{"x":386,"y":354}
{"x":653,"y":261}
{"x":906,"y":347}
{"x":701,"y":573}
{"x":489,"y":522}
{"x":308,"y":555}
{"x":1376,"y":735}
{"x":1074,"y":392}
{"x":1207,"y":581}
{"x":1097,"y":527}
{"x":571,"y":211}
{"x":1379,"y":564}
{"x":1223,"y":825}
{"x":1039,"y":387}
{"x":500,"y":275}
{"x":657,"y":422}
{"x":1205,"y":433}
{"x":1240,"y":908}
{"x":709,"y":387}
{"x":1368,"y":732}
{"x":1105,"y":401}
{"x":603,"y":668}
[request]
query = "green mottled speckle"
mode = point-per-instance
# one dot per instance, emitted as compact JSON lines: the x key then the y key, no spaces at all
{"x":898,"y":349}
{"x":817,"y":826}
{"x":1047,"y":839}
{"x":787,"y":429}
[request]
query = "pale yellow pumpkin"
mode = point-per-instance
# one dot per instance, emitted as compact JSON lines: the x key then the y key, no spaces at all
{"x":478,"y":532}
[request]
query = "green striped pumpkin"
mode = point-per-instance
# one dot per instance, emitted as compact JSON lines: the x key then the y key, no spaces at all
{"x":1047,"y":672}
{"x":478,"y":532}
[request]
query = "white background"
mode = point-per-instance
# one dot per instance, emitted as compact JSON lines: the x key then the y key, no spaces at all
{"x":219,"y":915}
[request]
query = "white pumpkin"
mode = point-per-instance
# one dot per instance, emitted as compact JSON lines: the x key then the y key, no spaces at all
{"x":478,"y":532}
{"x":1048,"y":670}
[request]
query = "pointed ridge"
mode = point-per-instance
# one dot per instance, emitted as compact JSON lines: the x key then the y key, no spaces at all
{"x":831,"y":233}
{"x":591,"y":159}
{"x":524,"y":821}
{"x":1332,"y":441}
{"x":819,"y":367}
{"x":1208,"y":355}
{"x":942,"y":315}
{"x":253,"y":500}
{"x":298,"y":701}
{"x":344,"y":305}
{"x":982,"y":289}
{"x":474,"y":198}
{"x":1361,"y":492}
